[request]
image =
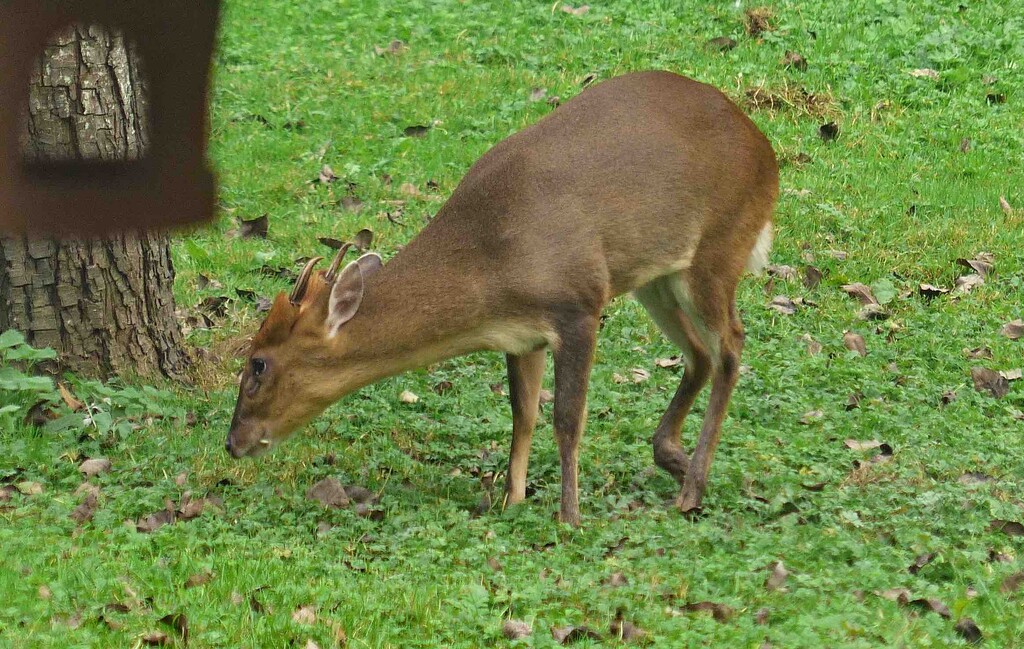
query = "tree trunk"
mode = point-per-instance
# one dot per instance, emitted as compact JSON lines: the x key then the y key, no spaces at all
{"x":107,"y":305}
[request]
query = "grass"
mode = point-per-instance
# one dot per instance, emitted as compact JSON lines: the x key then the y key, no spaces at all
{"x":299,"y":85}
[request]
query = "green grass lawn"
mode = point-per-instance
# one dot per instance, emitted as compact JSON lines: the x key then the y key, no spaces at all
{"x":911,"y":184}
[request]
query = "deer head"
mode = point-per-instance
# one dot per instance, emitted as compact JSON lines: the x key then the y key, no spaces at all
{"x":295,"y":366}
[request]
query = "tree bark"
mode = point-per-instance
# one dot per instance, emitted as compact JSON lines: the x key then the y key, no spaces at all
{"x":105,"y":305}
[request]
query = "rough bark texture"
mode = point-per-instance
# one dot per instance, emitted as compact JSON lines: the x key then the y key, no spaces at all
{"x":105,"y":305}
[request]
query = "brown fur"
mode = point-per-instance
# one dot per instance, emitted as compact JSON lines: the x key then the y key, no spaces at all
{"x":649,"y":182}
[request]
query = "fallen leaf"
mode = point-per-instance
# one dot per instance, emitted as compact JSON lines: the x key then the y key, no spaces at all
{"x":85,"y":510}
{"x":326,"y":175}
{"x":968,"y":630}
{"x":1012,"y":375}
{"x":416,"y":130}
{"x":29,"y":488}
{"x":351,"y":203}
{"x":813,"y":346}
{"x":1005,"y":205}
{"x":974,"y":477}
{"x":783,"y":305}
{"x":931,"y":604}
{"x":986,"y":380}
{"x":640,"y":375}
{"x":625,"y":630}
{"x":720,"y":612}
{"x":329,"y":493}
{"x":777,"y":574}
{"x":410,"y":189}
{"x":94,"y":466}
{"x":616,"y":580}
{"x":1013,"y":330}
{"x":667,"y":362}
{"x":794,"y":60}
{"x":929,"y":291}
{"x":920,"y":562}
{"x":829,"y":131}
{"x":948,"y":397}
{"x":1012,"y":582}
{"x":569,"y":634}
{"x":853,"y":400}
{"x":199,"y":578}
{"x":69,"y":399}
{"x":925,"y":73}
{"x":866,"y":445}
{"x":575,"y":11}
{"x":498,"y":389}
{"x":756,"y":21}
{"x":155,"y":639}
{"x":155,"y":521}
{"x":179,"y":623}
{"x":720,"y":44}
{"x":873,"y":312}
{"x":855,"y":342}
{"x":538,"y":94}
{"x":1009,"y":528}
{"x":257,"y":227}
{"x":304,"y":615}
{"x":394,"y":47}
{"x":812,"y":277}
{"x":618,"y":378}
{"x":811,"y":416}
{"x":901,"y":595}
{"x":979,"y":353}
{"x":44,"y":592}
{"x":408,"y":397}
{"x":983,"y":263}
{"x":966,"y":283}
{"x":442,"y":387}
{"x":783,"y":272}
{"x":762,"y":615}
{"x":860,"y":291}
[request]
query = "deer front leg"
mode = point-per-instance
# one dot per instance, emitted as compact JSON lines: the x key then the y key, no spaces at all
{"x":573,"y":360}
{"x":525,"y":373}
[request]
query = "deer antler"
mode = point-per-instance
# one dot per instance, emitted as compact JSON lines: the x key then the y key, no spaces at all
{"x":333,"y":270}
{"x":300,"y":284}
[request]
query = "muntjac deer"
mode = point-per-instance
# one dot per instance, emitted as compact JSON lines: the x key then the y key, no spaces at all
{"x":649,"y":182}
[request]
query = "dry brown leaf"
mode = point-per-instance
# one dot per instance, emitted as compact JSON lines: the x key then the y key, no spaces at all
{"x":925,"y":73}
{"x":894,"y":594}
{"x":94,"y":466}
{"x":538,"y":94}
{"x":983,"y":263}
{"x":616,"y":580}
{"x":69,"y":399}
{"x":618,"y":378}
{"x":394,"y":47}
{"x":155,"y":639}
{"x":968,"y":630}
{"x":199,"y":578}
{"x":85,"y":510}
{"x":931,"y":604}
{"x":777,"y":574}
{"x":1012,"y":582}
{"x":921,"y":561}
{"x":783,"y":305}
{"x":304,"y":615}
{"x":967,"y":283}
{"x":625,"y":630}
{"x":860,"y":291}
{"x":812,"y":277}
{"x":1012,"y":375}
{"x":873,"y":312}
{"x":29,"y":488}
{"x":516,"y":629}
{"x":855,"y":342}
{"x":1005,"y":205}
{"x":979,"y":353}
{"x":155,"y":521}
{"x":1009,"y":528}
{"x":720,"y":612}
{"x":986,"y":380}
{"x":667,"y":362}
{"x":179,"y":623}
{"x":1014,"y":330}
{"x":408,"y":397}
{"x":570,"y":634}
{"x":793,"y":60}
{"x":930,"y":291}
{"x":575,"y":11}
{"x":640,"y":375}
{"x":720,"y":44}
{"x":756,"y":20}
{"x":257,"y":227}
{"x":811,"y":416}
{"x":329,"y":493}
{"x":785,"y":273}
{"x":813,"y":346}
{"x":859,"y":445}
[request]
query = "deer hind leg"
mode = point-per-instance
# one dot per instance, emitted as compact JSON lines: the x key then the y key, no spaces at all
{"x":525,"y":374}
{"x":661,"y":302}
{"x":713,"y":317}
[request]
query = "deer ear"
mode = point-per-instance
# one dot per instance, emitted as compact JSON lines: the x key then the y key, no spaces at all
{"x":346,"y":295}
{"x":370,"y":263}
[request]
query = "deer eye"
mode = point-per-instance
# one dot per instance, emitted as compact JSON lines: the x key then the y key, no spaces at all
{"x":259,"y":366}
